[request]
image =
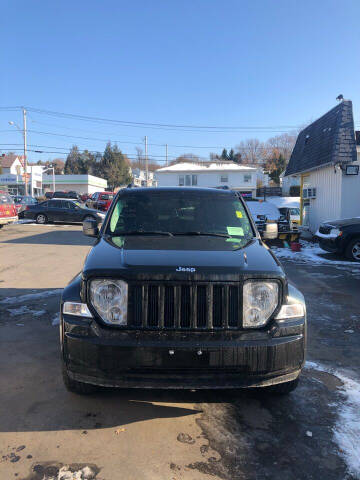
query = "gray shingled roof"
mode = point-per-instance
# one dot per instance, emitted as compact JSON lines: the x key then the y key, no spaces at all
{"x":328,"y":140}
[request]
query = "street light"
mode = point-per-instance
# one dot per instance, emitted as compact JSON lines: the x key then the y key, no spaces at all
{"x":51,"y":167}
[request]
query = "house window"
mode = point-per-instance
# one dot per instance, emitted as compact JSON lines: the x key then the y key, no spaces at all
{"x":224,"y":178}
{"x":247,"y":177}
{"x":187,"y":180}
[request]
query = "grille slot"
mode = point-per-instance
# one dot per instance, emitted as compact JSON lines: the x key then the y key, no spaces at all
{"x":189,"y":306}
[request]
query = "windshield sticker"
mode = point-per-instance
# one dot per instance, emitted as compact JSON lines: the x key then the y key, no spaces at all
{"x":239,"y":214}
{"x":235,"y":231}
{"x":115,"y":216}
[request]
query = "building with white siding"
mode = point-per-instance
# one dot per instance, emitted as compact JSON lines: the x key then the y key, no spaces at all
{"x":326,"y":160}
{"x":77,"y":183}
{"x":209,"y":174}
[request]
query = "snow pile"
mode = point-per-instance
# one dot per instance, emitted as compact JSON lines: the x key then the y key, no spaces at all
{"x":347,"y":429}
{"x":285,"y":202}
{"x":310,"y":253}
{"x":56,"y":319}
{"x":85,"y":473}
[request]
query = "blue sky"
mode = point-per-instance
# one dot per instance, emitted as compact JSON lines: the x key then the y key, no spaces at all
{"x":256,"y":63}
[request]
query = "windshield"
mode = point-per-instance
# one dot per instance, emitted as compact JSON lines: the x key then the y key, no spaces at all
{"x":294,"y":211}
{"x":180,"y":213}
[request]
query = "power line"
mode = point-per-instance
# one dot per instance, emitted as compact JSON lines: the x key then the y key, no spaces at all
{"x":151,"y":124}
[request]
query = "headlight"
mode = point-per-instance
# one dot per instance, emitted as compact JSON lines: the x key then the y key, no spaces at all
{"x":291,"y":311}
{"x":335,"y":232}
{"x":260,"y":300}
{"x":109,"y":298}
{"x":78,"y":309}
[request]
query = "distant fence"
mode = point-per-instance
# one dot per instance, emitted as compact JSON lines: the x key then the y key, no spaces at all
{"x":269,"y":192}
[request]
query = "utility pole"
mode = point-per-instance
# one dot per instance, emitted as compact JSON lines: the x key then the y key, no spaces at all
{"x":25,"y":151}
{"x":146,"y":161}
{"x":166,"y":155}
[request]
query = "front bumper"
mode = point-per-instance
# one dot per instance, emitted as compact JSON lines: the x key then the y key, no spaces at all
{"x":181,"y":360}
{"x":330,"y":244}
{"x":6,"y":220}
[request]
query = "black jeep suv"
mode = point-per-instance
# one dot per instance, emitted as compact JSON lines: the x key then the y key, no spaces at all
{"x":180,"y":292}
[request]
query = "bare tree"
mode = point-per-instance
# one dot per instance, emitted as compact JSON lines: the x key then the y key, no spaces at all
{"x":252,"y":151}
{"x":283,"y":144}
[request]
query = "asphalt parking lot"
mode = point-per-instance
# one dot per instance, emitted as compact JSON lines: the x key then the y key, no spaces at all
{"x":314,"y":433}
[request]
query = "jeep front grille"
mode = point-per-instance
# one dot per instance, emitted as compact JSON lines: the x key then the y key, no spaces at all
{"x":185,"y":306}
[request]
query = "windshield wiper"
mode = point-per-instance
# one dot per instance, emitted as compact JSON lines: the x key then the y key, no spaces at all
{"x":205,"y":234}
{"x":141,"y":232}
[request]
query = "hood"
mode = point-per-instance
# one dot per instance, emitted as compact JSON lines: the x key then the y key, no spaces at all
{"x":180,"y":258}
{"x":344,"y":222}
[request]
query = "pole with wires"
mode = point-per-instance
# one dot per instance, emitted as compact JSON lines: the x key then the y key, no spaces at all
{"x":25,"y":151}
{"x":166,"y":154}
{"x":146,"y":161}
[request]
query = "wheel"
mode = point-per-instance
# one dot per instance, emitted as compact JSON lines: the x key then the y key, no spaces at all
{"x":41,"y":218}
{"x":353,"y":250}
{"x":1,"y":226}
{"x":282,"y":388}
{"x":77,"y":387}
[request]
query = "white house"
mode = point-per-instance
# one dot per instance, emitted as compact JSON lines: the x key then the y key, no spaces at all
{"x":287,"y":182}
{"x":139,"y":178}
{"x":78,"y":183}
{"x":326,"y":160}
{"x":13,"y":178}
{"x":209,"y":174}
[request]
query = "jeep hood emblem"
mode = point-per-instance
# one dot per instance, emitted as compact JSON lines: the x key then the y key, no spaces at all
{"x":186,"y":269}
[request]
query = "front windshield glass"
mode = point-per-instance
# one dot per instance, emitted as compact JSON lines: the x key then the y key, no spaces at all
{"x":180,"y":213}
{"x":294,"y":211}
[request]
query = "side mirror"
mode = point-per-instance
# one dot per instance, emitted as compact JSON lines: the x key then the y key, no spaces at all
{"x":90,"y":228}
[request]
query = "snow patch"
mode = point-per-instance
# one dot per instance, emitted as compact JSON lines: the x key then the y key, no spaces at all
{"x":310,"y":253}
{"x":24,"y":310}
{"x":56,"y":319}
{"x":347,"y":429}
{"x":29,"y":296}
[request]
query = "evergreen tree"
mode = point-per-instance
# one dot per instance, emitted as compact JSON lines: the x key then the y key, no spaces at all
{"x":114,"y":167}
{"x":73,"y":164}
{"x":224,"y":154}
{"x":231,"y":155}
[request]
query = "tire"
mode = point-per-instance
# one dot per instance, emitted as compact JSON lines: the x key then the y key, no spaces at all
{"x":353,"y":250}
{"x":74,"y":386}
{"x":1,"y":226}
{"x":282,"y":388}
{"x":41,"y":218}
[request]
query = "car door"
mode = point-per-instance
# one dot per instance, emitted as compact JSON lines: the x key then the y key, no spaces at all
{"x":72,"y":211}
{"x":55,"y":212}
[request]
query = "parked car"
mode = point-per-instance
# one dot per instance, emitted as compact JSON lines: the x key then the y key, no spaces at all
{"x":180,"y":292}
{"x":85,"y":196}
{"x":100,"y":200}
{"x":67,"y":195}
{"x":22,"y":201}
{"x":8,"y":212}
{"x":56,"y":210}
{"x":341,"y":236}
{"x":49,"y":195}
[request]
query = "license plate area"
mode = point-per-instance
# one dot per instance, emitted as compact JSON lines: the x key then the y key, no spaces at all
{"x":185,"y":358}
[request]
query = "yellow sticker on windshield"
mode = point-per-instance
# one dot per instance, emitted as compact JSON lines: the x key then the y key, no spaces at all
{"x":236,"y":231}
{"x":238,"y":214}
